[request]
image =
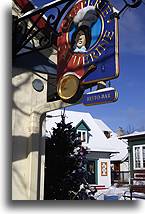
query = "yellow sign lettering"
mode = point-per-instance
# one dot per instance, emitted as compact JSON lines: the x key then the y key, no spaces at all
{"x":106,"y":11}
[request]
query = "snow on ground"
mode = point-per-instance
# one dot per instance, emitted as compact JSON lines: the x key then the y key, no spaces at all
{"x":112,"y":191}
{"x":118,"y":192}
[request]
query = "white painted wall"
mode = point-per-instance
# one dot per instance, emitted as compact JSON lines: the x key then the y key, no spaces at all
{"x":28,"y":106}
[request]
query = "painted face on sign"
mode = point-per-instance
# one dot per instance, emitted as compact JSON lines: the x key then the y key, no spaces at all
{"x":80,"y":39}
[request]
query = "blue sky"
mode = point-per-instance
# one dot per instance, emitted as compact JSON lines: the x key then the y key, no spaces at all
{"x":129,"y":110}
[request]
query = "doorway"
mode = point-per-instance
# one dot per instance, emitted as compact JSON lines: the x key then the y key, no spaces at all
{"x":91,"y":172}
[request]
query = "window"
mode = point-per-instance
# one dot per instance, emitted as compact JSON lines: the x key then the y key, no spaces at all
{"x":107,"y":134}
{"x":139,"y":157}
{"x":79,"y":135}
{"x":82,"y":135}
{"x":143,"y":155}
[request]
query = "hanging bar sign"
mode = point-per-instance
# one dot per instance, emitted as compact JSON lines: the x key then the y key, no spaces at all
{"x":102,"y":96}
{"x":87,"y":46}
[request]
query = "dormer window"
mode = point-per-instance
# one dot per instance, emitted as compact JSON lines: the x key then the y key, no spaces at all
{"x":83,"y":131}
{"x":83,"y":135}
{"x":107,"y":134}
{"x":84,"y":138}
{"x":79,"y":135}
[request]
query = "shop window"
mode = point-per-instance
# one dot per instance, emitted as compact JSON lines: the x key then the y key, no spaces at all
{"x":139,"y":157}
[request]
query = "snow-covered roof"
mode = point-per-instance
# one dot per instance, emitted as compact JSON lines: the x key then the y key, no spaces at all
{"x":120,"y":146}
{"x":102,"y":125}
{"x":134,"y":134}
{"x":97,"y":139}
{"x":103,"y":90}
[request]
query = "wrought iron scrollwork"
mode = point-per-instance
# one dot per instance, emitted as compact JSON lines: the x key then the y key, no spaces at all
{"x":128,"y":4}
{"x":45,"y":41}
{"x":53,"y":19}
{"x":34,"y":38}
{"x":133,"y":3}
{"x":29,"y":35}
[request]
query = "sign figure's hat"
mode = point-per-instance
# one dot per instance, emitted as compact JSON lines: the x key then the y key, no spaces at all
{"x":86,"y":17}
{"x":83,"y":21}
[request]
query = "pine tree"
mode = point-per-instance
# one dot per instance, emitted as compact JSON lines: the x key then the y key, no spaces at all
{"x":65,"y":162}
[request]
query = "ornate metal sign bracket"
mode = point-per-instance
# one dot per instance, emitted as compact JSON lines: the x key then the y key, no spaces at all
{"x":134,"y":4}
{"x":34,"y":32}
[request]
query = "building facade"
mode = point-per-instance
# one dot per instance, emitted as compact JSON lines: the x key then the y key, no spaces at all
{"x":136,"y":152}
{"x":29,"y":106}
{"x":119,"y":161}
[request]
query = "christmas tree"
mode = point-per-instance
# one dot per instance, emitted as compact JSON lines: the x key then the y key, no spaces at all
{"x":64,"y":163}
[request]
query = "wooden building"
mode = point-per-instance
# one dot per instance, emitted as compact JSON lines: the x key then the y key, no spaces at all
{"x":136,"y":151}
